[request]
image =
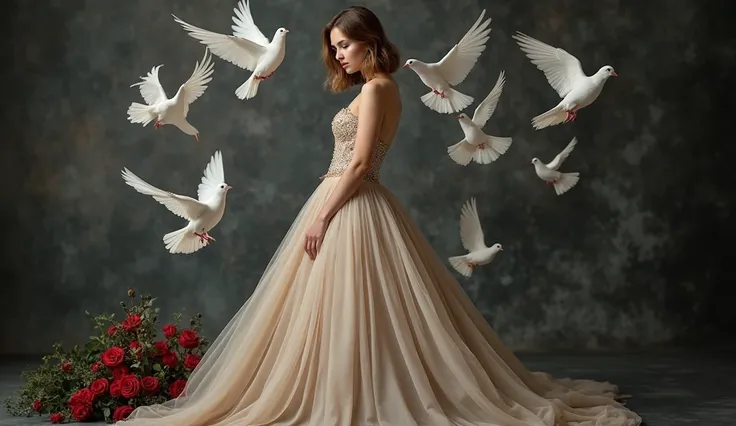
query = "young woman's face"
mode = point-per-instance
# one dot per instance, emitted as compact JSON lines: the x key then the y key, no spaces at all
{"x":348,"y":53}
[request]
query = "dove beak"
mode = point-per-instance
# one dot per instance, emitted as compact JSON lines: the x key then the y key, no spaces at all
{"x":406,"y":66}
{"x":228,"y":187}
{"x":286,"y":31}
{"x":613,"y":73}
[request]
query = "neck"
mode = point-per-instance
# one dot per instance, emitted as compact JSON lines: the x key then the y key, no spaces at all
{"x":377,"y":75}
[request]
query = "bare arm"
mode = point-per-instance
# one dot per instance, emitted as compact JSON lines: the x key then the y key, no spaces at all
{"x":366,"y":140}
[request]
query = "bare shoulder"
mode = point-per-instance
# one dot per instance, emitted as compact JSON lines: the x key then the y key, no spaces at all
{"x":382,"y":91}
{"x":379,"y":87}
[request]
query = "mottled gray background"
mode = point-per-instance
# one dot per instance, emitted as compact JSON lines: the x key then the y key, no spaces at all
{"x":628,"y":258}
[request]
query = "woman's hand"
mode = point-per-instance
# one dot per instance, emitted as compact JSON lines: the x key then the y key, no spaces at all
{"x":314,"y":237}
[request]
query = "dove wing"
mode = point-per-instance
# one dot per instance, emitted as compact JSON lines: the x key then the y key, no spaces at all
{"x":181,"y":205}
{"x":471,"y":233}
{"x":244,"y":26}
{"x":214,"y":176}
{"x":195,"y":86}
{"x":563,"y":70}
{"x":458,"y":62}
{"x":236,"y":50}
{"x":487,"y":107}
{"x":150,"y":87}
{"x":562,"y":156}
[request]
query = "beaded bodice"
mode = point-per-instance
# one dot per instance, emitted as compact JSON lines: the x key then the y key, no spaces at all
{"x":345,"y":128}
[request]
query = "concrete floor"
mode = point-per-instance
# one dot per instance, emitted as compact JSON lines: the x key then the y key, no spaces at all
{"x":669,"y":388}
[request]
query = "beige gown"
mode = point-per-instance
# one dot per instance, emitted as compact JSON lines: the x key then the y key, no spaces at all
{"x":374,"y":331}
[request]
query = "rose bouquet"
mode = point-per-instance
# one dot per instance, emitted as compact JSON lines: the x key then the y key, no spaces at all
{"x":122,"y":367}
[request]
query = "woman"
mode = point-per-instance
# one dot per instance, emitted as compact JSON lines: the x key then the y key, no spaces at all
{"x":356,"y":320}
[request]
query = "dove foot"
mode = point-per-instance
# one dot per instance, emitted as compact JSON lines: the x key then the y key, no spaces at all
{"x":570,"y":116}
{"x":482,"y":146}
{"x":265,"y":77}
{"x":437,"y":92}
{"x":204,"y":237}
{"x":157,"y":124}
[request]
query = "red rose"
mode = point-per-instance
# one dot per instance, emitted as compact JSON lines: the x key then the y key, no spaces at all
{"x":113,"y":356}
{"x":112,"y":330}
{"x":169,"y":330}
{"x":99,"y":386}
{"x":37,"y":406}
{"x":176,"y":388}
{"x":83,"y":398}
{"x":161,"y":348}
{"x":95,"y":367}
{"x":150,"y":384}
{"x":121,"y":413}
{"x":115,"y":390}
{"x":56,"y":418}
{"x":130,"y":386}
{"x":170,"y":359}
{"x":132,"y":323}
{"x":191,"y":361}
{"x":120,"y":371}
{"x":82,"y":413}
{"x":189,"y":339}
{"x":66,"y":367}
{"x":135,"y":348}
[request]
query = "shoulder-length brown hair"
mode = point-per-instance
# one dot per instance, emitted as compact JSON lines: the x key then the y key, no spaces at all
{"x":359,"y":24}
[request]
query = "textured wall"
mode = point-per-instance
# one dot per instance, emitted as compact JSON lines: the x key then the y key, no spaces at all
{"x":623,"y":259}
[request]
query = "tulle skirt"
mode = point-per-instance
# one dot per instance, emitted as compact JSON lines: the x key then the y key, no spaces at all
{"x":374,"y":331}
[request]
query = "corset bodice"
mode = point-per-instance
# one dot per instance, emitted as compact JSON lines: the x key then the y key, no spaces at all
{"x":344,"y":129}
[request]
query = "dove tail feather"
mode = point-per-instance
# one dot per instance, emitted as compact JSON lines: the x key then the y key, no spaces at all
{"x":249,"y":89}
{"x":566,"y":182}
{"x":453,"y":101}
{"x":495,"y":147}
{"x":462,"y":152}
{"x":139,"y":113}
{"x":182,"y":241}
{"x":460,"y":264}
{"x":552,"y":117}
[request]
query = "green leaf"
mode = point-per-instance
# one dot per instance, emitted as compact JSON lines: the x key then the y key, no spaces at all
{"x":156,"y":367}
{"x":106,"y":412}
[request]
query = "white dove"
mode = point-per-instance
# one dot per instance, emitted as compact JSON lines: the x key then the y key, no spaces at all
{"x":203,"y":214}
{"x":471,"y":235}
{"x":477,"y":145}
{"x":247,"y":48}
{"x":562,"y":182}
{"x":452,"y":69}
{"x":565,"y":74}
{"x":171,"y":111}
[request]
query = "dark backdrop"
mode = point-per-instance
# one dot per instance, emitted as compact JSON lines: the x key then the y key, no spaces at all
{"x":630,"y":257}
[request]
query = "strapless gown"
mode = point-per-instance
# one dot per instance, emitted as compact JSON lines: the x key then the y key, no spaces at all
{"x":376,"y":331}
